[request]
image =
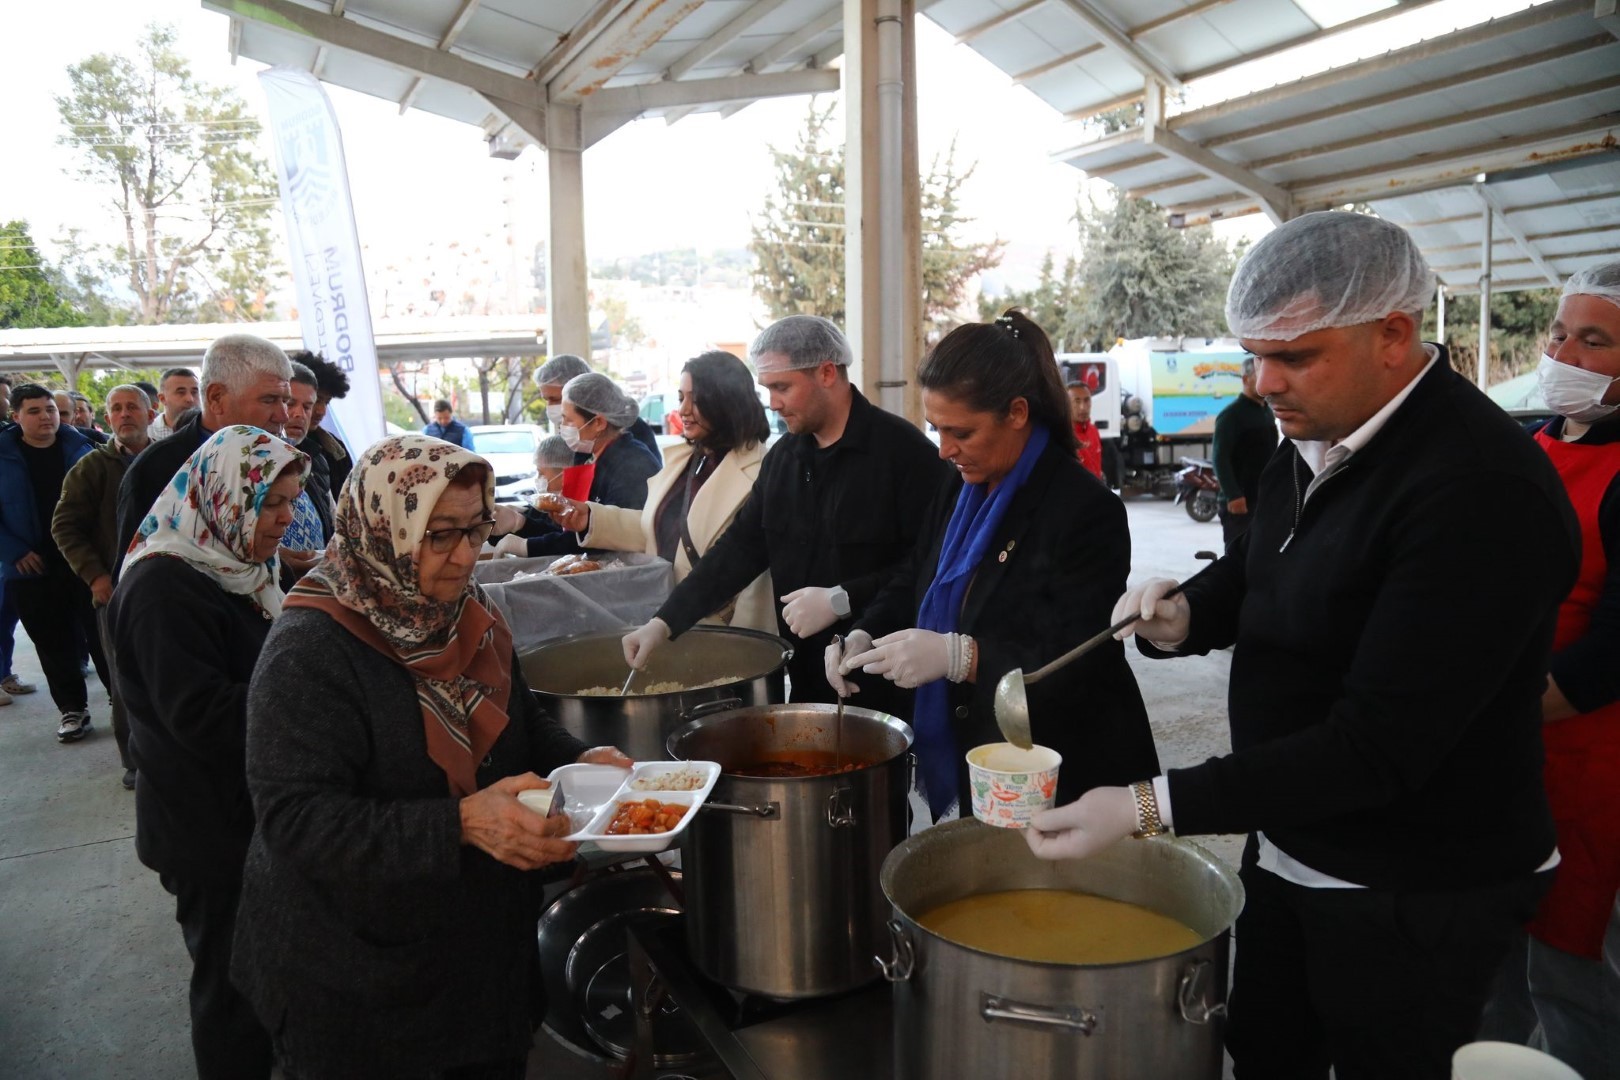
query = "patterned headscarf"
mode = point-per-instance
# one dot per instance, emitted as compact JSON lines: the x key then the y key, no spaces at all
{"x":207,"y":514}
{"x":458,"y":651}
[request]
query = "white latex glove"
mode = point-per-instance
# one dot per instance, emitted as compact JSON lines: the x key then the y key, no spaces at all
{"x":858,"y":641}
{"x":1096,"y":820}
{"x":1166,"y":621}
{"x":640,"y":642}
{"x":808,"y":611}
{"x":512,"y":545}
{"x":906,"y":658}
{"x":508,"y":519}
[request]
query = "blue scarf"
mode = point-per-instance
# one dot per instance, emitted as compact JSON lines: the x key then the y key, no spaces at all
{"x":968,"y":537}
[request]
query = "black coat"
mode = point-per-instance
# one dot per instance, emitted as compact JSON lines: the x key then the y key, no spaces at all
{"x":1392,"y":636}
{"x":186,"y":649}
{"x":846,"y":515}
{"x":1049,"y":581}
{"x":147,"y":475}
{"x":319,"y":482}
{"x":384,"y":944}
{"x":620,"y":479}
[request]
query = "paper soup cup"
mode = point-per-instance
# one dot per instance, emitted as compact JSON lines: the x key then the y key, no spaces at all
{"x":1009,"y":785}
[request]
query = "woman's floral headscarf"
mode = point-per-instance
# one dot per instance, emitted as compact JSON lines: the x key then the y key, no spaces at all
{"x":208,"y":513}
{"x":459,"y":651}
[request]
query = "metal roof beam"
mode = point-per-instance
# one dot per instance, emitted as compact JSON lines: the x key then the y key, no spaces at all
{"x":1104,"y":28}
{"x":1110,"y":105}
{"x":674,"y":95}
{"x":457,"y":25}
{"x":1175,"y":16}
{"x":233,"y":40}
{"x":1439,"y":123}
{"x":1561,"y":234}
{"x":792,"y":43}
{"x":1395,"y":60}
{"x":1454,"y":167}
{"x":1129,"y":136}
{"x":1052,"y":65}
{"x":394,"y":51}
{"x":1401,"y":7}
{"x":1557,"y":54}
{"x":1493,"y":205}
{"x":1525,"y":208}
{"x":639,"y":27}
{"x":1607,"y":13}
{"x":1128,"y":164}
{"x":999,"y":19}
{"x":317,"y":66}
{"x":721,"y":38}
{"x":581,"y":34}
{"x":1278,"y":203}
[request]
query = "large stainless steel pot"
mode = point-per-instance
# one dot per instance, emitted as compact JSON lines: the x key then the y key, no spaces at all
{"x":960,"y":1012}
{"x":781,"y":873}
{"x":753,"y":662}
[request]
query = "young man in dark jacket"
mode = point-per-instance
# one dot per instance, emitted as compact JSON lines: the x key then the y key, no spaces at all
{"x":52,"y":602}
{"x":1385,"y":696}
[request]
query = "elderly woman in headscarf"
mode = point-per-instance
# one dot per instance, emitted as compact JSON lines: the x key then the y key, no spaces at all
{"x":1021,"y":558}
{"x":595,"y":420}
{"x":190,"y":615}
{"x":388,"y":909}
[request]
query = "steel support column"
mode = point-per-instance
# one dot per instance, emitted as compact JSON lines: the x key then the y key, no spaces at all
{"x":882,"y":203}
{"x":1485,"y":301}
{"x":567,"y":306}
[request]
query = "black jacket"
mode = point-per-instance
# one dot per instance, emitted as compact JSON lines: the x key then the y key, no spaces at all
{"x":1245,"y":436}
{"x":186,"y":649}
{"x":319,"y":483}
{"x":620,"y":479}
{"x":1049,"y":581}
{"x":846,"y":515}
{"x":1385,"y":695}
{"x":147,"y":475}
{"x":387,"y":943}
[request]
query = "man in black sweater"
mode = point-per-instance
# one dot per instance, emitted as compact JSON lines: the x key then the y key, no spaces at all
{"x":837,"y":504}
{"x":1386,"y":684}
{"x":244,"y":381}
{"x":1245,"y":436}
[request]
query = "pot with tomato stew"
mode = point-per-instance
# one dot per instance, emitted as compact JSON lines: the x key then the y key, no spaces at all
{"x":781,"y":864}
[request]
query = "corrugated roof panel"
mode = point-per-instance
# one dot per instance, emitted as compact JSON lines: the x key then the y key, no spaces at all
{"x":957,"y":17}
{"x":499,"y":35}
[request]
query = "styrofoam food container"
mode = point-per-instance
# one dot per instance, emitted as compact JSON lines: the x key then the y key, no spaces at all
{"x":593,"y":793}
{"x":1507,"y":1061}
{"x":1009,"y":785}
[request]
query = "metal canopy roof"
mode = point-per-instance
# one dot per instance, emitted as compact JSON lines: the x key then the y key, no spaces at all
{"x":1517,"y":95}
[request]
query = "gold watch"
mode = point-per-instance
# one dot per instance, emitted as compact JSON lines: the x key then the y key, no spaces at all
{"x":1147,"y":811}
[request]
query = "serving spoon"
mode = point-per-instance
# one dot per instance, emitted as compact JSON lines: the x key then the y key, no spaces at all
{"x":1012,"y":702}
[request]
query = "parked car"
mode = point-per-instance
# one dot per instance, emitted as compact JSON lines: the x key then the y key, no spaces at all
{"x":510,"y":449}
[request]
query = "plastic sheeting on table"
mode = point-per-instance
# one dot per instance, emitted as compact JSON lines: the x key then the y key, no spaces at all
{"x":627,"y":592}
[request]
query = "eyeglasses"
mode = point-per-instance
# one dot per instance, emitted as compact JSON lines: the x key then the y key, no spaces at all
{"x":443,"y":541}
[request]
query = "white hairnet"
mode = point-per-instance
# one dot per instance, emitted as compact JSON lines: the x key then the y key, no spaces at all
{"x":1602,"y":280}
{"x":595,"y":393}
{"x":1328,"y":269}
{"x":553,"y":453}
{"x":559,"y":369}
{"x":799,"y":341}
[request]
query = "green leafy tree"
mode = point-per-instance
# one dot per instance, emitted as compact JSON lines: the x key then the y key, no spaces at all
{"x":1054,"y":302}
{"x":177,"y":160}
{"x":31,"y":291}
{"x":798,"y":238}
{"x":1519,"y":322}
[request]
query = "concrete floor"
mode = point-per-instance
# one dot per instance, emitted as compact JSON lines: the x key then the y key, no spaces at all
{"x":92,"y":969}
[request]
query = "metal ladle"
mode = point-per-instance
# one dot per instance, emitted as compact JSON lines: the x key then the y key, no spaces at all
{"x":838,"y":723}
{"x":1012,"y":703}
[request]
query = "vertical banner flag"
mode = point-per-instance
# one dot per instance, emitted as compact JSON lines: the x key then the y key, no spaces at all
{"x":332,"y":308}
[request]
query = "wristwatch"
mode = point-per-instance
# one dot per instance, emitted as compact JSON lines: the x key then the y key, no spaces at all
{"x":838,"y":597}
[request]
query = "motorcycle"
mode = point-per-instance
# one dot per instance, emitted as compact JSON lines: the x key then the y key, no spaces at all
{"x":1198,"y":490}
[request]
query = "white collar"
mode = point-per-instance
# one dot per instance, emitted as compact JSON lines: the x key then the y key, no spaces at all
{"x":1315,"y":454}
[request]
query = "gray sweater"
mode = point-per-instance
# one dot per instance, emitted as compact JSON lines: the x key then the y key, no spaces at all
{"x":368,"y":935}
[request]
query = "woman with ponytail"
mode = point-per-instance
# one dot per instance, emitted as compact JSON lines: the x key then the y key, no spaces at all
{"x":1022,"y":558}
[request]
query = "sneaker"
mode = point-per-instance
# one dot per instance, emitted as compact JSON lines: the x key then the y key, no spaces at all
{"x":75,"y":726}
{"x":5,"y":698}
{"x":129,"y":779}
{"x":13,"y":685}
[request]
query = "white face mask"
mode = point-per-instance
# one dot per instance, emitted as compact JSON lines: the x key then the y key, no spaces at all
{"x":570,"y":435}
{"x":554,"y":417}
{"x":1574,"y":393}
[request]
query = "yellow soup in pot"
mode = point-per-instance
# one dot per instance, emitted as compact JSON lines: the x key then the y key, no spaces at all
{"x":1059,"y":927}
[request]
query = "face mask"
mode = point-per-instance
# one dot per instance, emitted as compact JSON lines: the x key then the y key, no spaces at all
{"x":570,"y":435}
{"x":1574,"y":393}
{"x":554,"y":417}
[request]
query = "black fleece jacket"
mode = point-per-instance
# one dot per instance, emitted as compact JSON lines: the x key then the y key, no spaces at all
{"x":1389,"y":664}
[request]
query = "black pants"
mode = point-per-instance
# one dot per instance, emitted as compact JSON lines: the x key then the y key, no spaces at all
{"x":226,"y":1037}
{"x":1232,"y":525}
{"x":1378,"y":985}
{"x":55,"y":610}
{"x":109,"y":676}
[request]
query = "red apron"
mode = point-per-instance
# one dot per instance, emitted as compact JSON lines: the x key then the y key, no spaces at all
{"x":1583,"y":752}
{"x":577,"y":480}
